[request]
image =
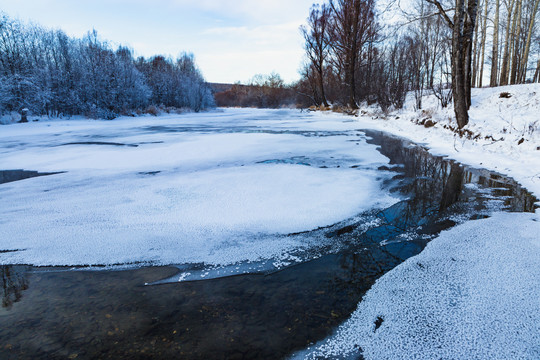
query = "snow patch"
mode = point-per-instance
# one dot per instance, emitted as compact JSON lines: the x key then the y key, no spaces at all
{"x":473,"y":293}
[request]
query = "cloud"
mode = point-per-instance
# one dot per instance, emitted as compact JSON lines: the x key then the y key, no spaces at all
{"x":262,"y":11}
{"x":238,"y":65}
{"x":239,"y":52}
{"x":275,"y":34}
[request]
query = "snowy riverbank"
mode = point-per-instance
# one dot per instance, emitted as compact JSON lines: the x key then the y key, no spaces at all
{"x":507,"y":131}
{"x":474,"y":291}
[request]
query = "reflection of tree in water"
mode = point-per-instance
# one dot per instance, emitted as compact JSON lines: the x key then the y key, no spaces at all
{"x":14,"y":282}
{"x":517,"y":198}
{"x":435,"y":185}
{"x":436,"y":190}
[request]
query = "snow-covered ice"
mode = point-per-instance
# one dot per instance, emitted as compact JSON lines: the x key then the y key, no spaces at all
{"x":214,"y":188}
{"x":473,"y":293}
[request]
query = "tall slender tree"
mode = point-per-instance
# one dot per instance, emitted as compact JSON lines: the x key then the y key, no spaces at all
{"x":525,"y":58}
{"x":462,"y":26}
{"x":317,"y":45}
{"x":483,"y":43}
{"x":494,"y":78}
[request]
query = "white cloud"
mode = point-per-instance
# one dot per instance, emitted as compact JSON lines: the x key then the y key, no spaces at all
{"x":243,"y":51}
{"x":263,"y":11}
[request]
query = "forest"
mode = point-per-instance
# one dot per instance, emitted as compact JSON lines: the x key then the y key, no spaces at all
{"x":361,"y":51}
{"x":52,"y":74}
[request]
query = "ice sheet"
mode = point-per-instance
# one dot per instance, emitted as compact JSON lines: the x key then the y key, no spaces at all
{"x":216,"y":189}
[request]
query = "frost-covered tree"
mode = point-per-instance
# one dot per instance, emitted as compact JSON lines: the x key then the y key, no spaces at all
{"x":176,"y":83}
{"x":52,"y":74}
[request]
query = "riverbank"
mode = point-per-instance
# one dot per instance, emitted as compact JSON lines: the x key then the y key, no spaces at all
{"x":503,"y":134}
{"x":473,"y":292}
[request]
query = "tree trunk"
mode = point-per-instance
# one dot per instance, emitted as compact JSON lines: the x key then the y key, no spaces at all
{"x":475,"y":57}
{"x":354,"y":56}
{"x":525,"y":60}
{"x":507,"y":44}
{"x":495,"y":49}
{"x":462,"y":37}
{"x":484,"y":31}
{"x":505,"y":59}
{"x":537,"y":72}
{"x":516,"y":42}
{"x":321,"y":89}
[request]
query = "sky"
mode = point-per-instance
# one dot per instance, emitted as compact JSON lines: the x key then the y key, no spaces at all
{"x":232,"y":40}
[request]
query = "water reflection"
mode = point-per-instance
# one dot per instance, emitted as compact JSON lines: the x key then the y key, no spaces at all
{"x":7,"y":176}
{"x":440,"y":193}
{"x":14,"y":282}
{"x":437,"y":179}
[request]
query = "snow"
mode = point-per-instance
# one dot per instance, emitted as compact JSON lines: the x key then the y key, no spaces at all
{"x":505,"y":122}
{"x":474,"y":291}
{"x":214,"y":188}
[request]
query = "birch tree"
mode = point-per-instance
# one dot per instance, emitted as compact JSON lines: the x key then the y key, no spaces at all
{"x":494,"y":78}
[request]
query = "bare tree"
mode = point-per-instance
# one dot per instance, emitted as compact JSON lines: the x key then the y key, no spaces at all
{"x":352,"y":27}
{"x":536,"y":77}
{"x":505,"y":67}
{"x":462,"y":26}
{"x":317,"y":46}
{"x":525,"y":58}
{"x":495,"y":48}
{"x":483,"y":44}
{"x":516,"y":44}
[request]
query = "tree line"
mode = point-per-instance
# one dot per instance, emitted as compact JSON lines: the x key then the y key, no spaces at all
{"x":440,"y":47}
{"x":52,"y":74}
{"x":262,"y":91}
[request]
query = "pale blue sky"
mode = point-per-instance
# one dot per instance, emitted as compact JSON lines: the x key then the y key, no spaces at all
{"x":232,"y":39}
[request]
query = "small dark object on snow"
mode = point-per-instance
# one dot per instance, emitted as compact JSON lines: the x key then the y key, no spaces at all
{"x":478,"y":217}
{"x":378,"y":323}
{"x":24,"y":116}
{"x":505,"y":95}
{"x":429,"y":123}
{"x":521,"y":141}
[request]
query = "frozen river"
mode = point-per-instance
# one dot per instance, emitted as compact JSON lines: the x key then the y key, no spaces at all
{"x":309,"y":210}
{"x":213,"y":188}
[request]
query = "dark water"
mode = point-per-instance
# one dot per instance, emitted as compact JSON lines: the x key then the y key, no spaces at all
{"x":62,"y":314}
{"x":7,"y":176}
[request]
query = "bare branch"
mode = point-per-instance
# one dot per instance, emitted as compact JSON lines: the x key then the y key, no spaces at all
{"x":442,"y":12}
